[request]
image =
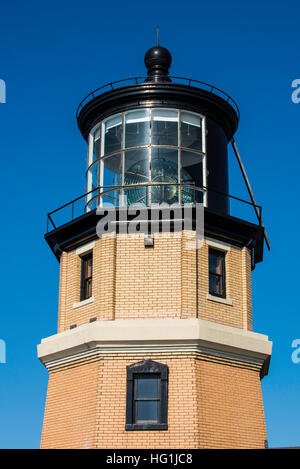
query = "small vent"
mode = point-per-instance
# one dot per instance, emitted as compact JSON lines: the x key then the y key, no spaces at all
{"x":149,"y":241}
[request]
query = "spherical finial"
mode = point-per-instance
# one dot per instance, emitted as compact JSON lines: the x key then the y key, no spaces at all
{"x":158,"y":61}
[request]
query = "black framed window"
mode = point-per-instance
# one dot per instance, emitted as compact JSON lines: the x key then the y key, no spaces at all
{"x":147,"y":396}
{"x":86,"y":276}
{"x":217,"y":283}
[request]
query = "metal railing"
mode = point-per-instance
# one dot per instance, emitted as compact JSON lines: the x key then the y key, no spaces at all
{"x":139,"y":80}
{"x":87,"y":198}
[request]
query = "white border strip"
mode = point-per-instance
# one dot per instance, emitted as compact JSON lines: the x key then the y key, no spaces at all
{"x":86,"y":248}
{"x":218,"y":244}
{"x":154,"y":334}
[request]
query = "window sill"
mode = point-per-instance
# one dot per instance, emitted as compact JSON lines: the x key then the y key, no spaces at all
{"x":217,"y":299}
{"x":83,"y":303}
{"x":146,"y":426}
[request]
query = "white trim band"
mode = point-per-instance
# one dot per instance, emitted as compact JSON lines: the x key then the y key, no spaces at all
{"x":218,"y":299}
{"x":85,"y":249}
{"x":217,"y":244}
{"x":146,"y":335}
{"x":83,"y":302}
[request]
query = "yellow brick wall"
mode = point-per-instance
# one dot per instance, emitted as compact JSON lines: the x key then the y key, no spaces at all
{"x":231,"y":413}
{"x":212,"y":404}
{"x":148,"y":279}
{"x":103,"y":288}
{"x":247,"y":289}
{"x":70,"y":413}
{"x":166,"y":281}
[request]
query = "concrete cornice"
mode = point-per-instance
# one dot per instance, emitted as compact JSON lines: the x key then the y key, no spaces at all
{"x":156,"y":335}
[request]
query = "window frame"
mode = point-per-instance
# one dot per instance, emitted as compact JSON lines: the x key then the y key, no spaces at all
{"x":222,"y":275}
{"x":85,"y":279}
{"x":147,"y":367}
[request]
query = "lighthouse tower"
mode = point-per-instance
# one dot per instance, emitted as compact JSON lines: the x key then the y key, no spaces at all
{"x":155,"y":347}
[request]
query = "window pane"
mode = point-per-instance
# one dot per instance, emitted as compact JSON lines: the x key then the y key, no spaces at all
{"x":111,"y":198}
{"x":92,"y":204}
{"x":138,"y":195}
{"x":112,"y":170}
{"x":147,"y":411}
{"x":88,"y":288}
{"x":93,"y":200}
{"x":215,"y":285}
{"x":112,"y":134}
{"x":93,"y":177}
{"x":147,"y":387}
{"x":111,"y":167}
{"x":191,"y":174}
{"x":137,"y":126}
{"x":216,"y":262}
{"x":217,"y":273}
{"x":164,"y":127}
{"x":191,"y":195}
{"x":164,"y":168}
{"x":86,"y":277}
{"x":88,"y":269}
{"x":96,"y":144}
{"x":136,"y":171}
{"x":191,"y":131}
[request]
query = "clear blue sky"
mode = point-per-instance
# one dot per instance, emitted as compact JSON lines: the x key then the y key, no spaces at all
{"x":52,"y":55}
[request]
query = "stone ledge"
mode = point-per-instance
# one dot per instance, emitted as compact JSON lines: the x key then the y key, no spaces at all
{"x":123,"y":336}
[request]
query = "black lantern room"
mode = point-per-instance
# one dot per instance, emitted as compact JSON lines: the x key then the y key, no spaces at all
{"x":158,"y":140}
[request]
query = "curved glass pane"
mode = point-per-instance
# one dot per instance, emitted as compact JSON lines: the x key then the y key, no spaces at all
{"x":93,"y":200}
{"x":164,"y":127}
{"x":136,"y":171}
{"x":191,"y":131}
{"x":92,"y":204}
{"x":111,"y":198}
{"x":111,"y":167}
{"x":137,"y":128}
{"x":191,"y":174}
{"x":164,"y":168}
{"x":95,"y":144}
{"x":137,"y":195}
{"x":111,"y":176}
{"x":93,"y":177}
{"x":125,"y":161}
{"x":112,"y":134}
